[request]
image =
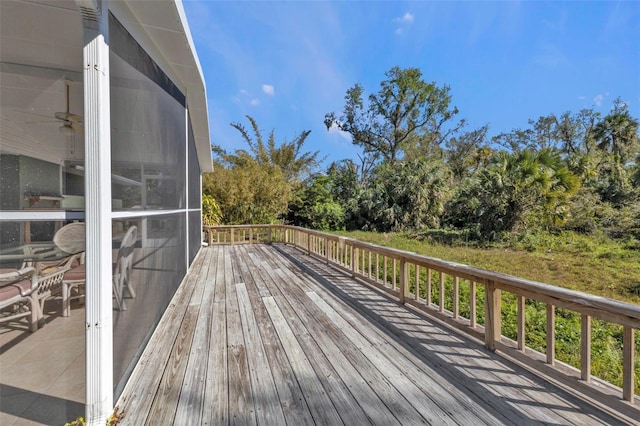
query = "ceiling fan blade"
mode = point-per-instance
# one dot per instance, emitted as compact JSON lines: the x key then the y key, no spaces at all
{"x":67,"y":116}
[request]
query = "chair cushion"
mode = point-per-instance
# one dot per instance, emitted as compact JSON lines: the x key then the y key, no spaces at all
{"x":76,"y":274}
{"x":15,"y":290}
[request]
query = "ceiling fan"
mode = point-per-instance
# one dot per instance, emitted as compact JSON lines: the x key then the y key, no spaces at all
{"x":72,"y":123}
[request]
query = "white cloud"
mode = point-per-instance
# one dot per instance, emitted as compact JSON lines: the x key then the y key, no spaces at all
{"x":598,"y":100}
{"x":244,"y":92}
{"x":255,"y":102}
{"x":582,"y":98}
{"x":336,"y":131}
{"x":268,"y":89}
{"x":407,"y":18}
{"x":403,"y":22}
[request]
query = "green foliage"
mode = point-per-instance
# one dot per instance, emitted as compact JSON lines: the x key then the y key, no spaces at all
{"x":514,"y":190}
{"x":248,"y":194}
{"x":314,"y":206}
{"x":255,"y":186}
{"x":407,"y":113}
{"x":211,"y":212}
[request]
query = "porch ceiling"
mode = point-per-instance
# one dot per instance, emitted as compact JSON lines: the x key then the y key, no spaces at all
{"x":41,"y":47}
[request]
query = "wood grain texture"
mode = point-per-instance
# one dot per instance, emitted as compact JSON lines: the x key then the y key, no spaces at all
{"x":262,"y":334}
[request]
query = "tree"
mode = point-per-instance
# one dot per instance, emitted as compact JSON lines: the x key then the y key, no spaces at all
{"x":468,"y":152}
{"x":256,"y":185}
{"x":211,"y":212}
{"x":617,"y":133}
{"x":406,"y":111}
{"x":314,"y":207}
{"x":294,"y":164}
{"x":247,"y":192}
{"x":514,"y":189}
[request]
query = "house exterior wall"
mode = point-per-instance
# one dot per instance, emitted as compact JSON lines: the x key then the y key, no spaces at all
{"x":152,"y":179}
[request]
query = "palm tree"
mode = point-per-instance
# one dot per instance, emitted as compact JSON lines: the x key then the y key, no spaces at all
{"x":288,"y":157}
{"x":517,"y":184}
{"x":617,"y":133}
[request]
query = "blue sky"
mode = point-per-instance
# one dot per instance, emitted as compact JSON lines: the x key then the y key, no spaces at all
{"x":289,"y":63}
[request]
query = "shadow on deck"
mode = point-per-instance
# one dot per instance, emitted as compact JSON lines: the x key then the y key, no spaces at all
{"x":266,"y":334}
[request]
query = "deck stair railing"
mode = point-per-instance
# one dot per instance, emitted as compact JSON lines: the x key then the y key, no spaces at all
{"x":434,"y":286}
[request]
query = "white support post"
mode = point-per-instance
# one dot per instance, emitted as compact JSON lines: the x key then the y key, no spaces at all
{"x":97,"y":129}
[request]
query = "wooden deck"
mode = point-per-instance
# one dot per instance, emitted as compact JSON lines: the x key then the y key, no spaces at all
{"x":262,"y":334}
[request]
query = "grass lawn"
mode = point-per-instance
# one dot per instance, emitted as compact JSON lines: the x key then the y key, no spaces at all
{"x":595,"y":265}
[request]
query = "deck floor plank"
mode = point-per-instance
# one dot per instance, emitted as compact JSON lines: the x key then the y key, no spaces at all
{"x":291,"y":397}
{"x":167,"y":399}
{"x":346,"y":404}
{"x":241,"y":404}
{"x":216,"y":397}
{"x":374,"y":408}
{"x":142,"y":387}
{"x":534,"y":398}
{"x":320,"y":405}
{"x":265,"y":395}
{"x":261,"y":334}
{"x":401,"y":376}
{"x":190,"y":404}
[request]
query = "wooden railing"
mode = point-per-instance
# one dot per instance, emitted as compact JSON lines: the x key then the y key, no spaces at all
{"x":420,"y":282}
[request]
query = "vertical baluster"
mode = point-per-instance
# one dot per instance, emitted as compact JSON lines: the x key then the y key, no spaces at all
{"x":404,"y":273}
{"x":428,"y":290}
{"x":585,"y":348}
{"x":521,"y":323}
{"x":395,"y":274}
{"x":384,"y":278}
{"x":628,"y":363}
{"x":551,"y":334}
{"x":472,"y":304}
{"x":441,"y":301}
{"x":417,"y":290}
{"x":456,"y":297}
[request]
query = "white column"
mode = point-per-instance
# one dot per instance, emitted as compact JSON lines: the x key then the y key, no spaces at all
{"x":186,"y":189}
{"x":97,"y":125}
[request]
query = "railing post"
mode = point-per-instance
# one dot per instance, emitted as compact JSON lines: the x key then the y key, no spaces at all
{"x":492,"y":309}
{"x":250,"y":236}
{"x":551,"y":334}
{"x":231,"y":232}
{"x":628,"y":363}
{"x":404,"y":277}
{"x":585,"y":348}
{"x":270,"y":236}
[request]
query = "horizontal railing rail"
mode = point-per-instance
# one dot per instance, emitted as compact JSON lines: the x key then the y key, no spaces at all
{"x":434,"y":286}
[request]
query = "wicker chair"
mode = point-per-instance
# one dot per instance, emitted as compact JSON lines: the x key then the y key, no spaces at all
{"x":75,"y":278}
{"x":16,"y":296}
{"x":24,"y":293}
{"x":122,"y":268}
